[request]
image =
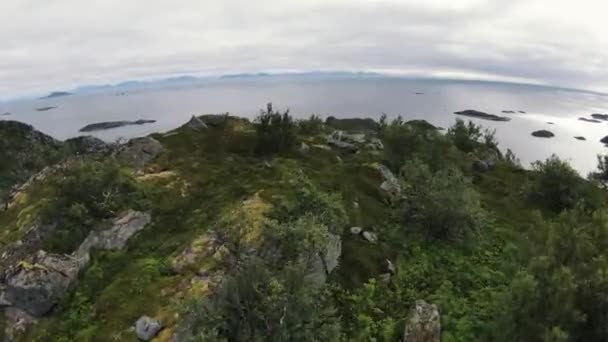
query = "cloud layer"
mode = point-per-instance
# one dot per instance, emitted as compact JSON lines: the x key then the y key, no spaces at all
{"x":47,"y":45}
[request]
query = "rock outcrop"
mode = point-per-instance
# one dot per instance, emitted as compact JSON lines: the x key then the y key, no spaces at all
{"x":390,"y":183}
{"x":36,"y":284}
{"x":87,"y":144}
{"x":424,"y":324}
{"x":140,"y":151}
{"x":195,"y":123}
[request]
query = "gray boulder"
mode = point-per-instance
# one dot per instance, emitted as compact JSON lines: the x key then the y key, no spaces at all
{"x":325,"y":262}
{"x":116,"y":237}
{"x":37,"y":285}
{"x":424,"y":324}
{"x":390,"y":184}
{"x":356,"y":230}
{"x":370,"y":236}
{"x":344,"y":146}
{"x":375,"y":144}
{"x":195,"y":123}
{"x":147,"y":328}
{"x":214,"y":120}
{"x":140,"y":151}
{"x":304,"y":148}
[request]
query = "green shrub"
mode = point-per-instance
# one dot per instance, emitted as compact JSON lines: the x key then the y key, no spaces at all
{"x":468,"y":136}
{"x":312,"y":126}
{"x":443,"y":205}
{"x":562,"y":293}
{"x":556,"y":185}
{"x":601,"y":175}
{"x":83,"y":195}
{"x":258,"y":303}
{"x":276,"y":132}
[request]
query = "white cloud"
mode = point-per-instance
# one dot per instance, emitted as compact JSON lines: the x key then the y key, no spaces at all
{"x":46,"y":45}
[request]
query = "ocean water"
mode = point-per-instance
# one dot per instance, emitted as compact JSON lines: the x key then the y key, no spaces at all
{"x":432,"y":100}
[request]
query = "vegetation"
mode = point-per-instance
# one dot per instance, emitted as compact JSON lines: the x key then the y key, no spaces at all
{"x":506,"y":254}
{"x":276,"y":132}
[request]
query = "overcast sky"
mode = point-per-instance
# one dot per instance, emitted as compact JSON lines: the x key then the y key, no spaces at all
{"x":56,"y":44}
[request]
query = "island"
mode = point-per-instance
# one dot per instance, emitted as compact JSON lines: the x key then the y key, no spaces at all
{"x":600,"y":116}
{"x":56,"y":94}
{"x":580,"y":138}
{"x":543,"y":134}
{"x":481,"y":115}
{"x":44,"y":109}
{"x":589,"y":120}
{"x":6,"y":114}
{"x":100,"y":126}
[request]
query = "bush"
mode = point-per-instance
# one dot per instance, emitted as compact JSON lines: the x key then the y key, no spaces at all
{"x":276,"y":132}
{"x":562,"y":293}
{"x":84,"y":194}
{"x":312,"y":126}
{"x":443,"y":205}
{"x":556,"y":185}
{"x":258,"y":303}
{"x":601,"y":175}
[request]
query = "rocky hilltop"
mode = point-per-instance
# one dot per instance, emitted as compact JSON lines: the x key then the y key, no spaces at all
{"x":312,"y":230}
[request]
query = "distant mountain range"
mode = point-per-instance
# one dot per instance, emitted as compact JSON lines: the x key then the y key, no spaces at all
{"x":187,"y":80}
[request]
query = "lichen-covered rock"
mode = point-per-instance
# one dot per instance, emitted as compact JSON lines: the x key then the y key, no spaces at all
{"x":37,"y":285}
{"x":15,"y":322}
{"x":140,"y":151}
{"x":390,"y":184}
{"x":200,"y":249}
{"x":146,"y":328}
{"x":424,"y":324}
{"x":117,"y":236}
{"x":375,"y":144}
{"x":304,"y":148}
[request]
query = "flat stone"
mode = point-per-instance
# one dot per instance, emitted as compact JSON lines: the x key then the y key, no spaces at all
{"x":370,"y":236}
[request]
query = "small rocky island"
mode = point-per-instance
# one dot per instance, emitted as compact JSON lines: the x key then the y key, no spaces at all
{"x":100,"y":126}
{"x":598,"y":116}
{"x":44,"y":109}
{"x":543,"y":133}
{"x":56,"y":94}
{"x":580,"y":138}
{"x":589,"y":120}
{"x":6,"y":114}
{"x":481,"y":115}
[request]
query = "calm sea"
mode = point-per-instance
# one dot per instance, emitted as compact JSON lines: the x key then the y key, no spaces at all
{"x":432,"y":100}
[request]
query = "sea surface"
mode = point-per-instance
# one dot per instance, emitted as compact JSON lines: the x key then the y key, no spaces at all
{"x":432,"y":100}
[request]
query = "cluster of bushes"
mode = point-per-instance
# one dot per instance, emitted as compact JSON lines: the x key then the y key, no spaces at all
{"x":84,"y":194}
{"x":270,"y":293}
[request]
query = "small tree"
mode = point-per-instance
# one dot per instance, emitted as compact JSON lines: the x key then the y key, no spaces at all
{"x":443,"y":204}
{"x":556,"y":184}
{"x":313,"y":125}
{"x":276,"y":132}
{"x":466,"y":136}
{"x":601,"y":175}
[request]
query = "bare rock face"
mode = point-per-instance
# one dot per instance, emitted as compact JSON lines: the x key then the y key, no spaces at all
{"x":390,"y":184}
{"x":424,"y":324}
{"x":140,"y":151}
{"x":37,"y":285}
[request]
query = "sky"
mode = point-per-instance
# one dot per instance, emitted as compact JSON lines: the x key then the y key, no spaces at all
{"x":58,"y":44}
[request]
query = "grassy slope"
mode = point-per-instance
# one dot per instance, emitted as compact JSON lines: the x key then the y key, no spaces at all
{"x":215,"y":170}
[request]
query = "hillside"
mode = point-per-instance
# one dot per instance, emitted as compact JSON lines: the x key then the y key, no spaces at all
{"x":274,"y":230}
